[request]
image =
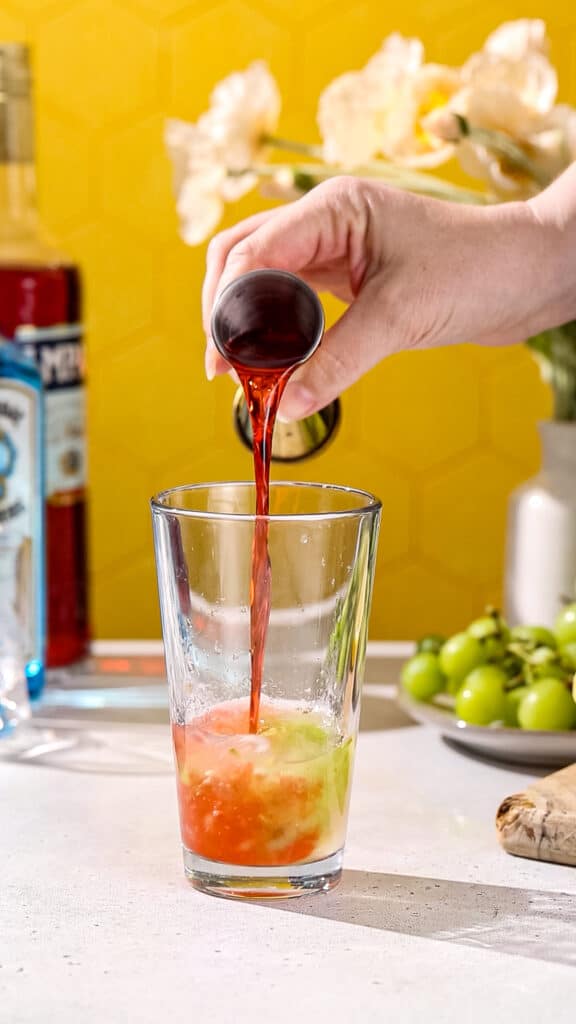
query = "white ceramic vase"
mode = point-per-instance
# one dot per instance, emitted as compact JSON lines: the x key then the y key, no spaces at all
{"x":541,"y":537}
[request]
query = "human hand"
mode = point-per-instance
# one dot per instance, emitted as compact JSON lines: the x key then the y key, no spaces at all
{"x":416,"y":273}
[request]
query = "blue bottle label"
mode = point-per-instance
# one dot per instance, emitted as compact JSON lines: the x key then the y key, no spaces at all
{"x":21,"y":581}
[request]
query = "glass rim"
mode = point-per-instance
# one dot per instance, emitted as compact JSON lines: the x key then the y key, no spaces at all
{"x":370,"y":507}
{"x":286,"y":275}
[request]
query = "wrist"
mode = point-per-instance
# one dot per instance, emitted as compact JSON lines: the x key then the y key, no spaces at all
{"x":553,"y":217}
{"x":533,"y":270}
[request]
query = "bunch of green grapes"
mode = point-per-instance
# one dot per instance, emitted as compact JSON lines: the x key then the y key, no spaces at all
{"x":522,"y":677}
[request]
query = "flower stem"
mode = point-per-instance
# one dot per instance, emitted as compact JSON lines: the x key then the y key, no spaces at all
{"x":419,"y":181}
{"x":412,"y":181}
{"x":290,"y":146}
{"x":502,"y":146}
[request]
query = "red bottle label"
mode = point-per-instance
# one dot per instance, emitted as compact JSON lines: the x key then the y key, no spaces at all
{"x":57,"y":351}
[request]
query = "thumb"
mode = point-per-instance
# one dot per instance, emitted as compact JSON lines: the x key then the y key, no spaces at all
{"x":290,"y":240}
{"x":281,"y":239}
{"x":356,"y":343}
{"x":327,"y":224}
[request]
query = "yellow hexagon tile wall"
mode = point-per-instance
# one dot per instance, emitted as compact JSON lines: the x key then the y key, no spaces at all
{"x":98,"y":61}
{"x":222,"y":36}
{"x":516,"y":397}
{"x":428,"y":409}
{"x":416,"y":598}
{"x":62,"y":143}
{"x":462,"y":515}
{"x":442,"y":437}
{"x":11,"y":27}
{"x":105,"y":252}
{"x":158,"y":8}
{"x":135,"y":184}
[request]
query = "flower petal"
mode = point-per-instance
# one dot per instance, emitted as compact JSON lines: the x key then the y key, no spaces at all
{"x":235,"y":186}
{"x":515,"y":40}
{"x":227,"y":138}
{"x":348,"y":119}
{"x":407,"y":139}
{"x":245,"y":107}
{"x":553,"y":148}
{"x":507,"y":95}
{"x":396,"y":58}
{"x":199,"y":211}
{"x":177,"y":139}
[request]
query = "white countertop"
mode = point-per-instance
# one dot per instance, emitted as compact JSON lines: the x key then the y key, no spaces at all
{"x":432,"y":922}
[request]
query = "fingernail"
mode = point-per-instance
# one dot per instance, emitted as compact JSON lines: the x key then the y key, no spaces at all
{"x":297,"y":403}
{"x":210,"y":361}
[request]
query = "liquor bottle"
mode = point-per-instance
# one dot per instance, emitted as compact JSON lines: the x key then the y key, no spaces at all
{"x":22,"y":583}
{"x":14,"y":702}
{"x":40,"y":312}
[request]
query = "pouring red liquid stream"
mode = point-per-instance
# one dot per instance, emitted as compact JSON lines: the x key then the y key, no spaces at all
{"x":264,"y":359}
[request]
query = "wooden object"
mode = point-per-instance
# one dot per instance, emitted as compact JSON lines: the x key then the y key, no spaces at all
{"x":540,"y":823}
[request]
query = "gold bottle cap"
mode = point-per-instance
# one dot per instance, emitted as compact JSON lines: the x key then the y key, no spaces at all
{"x":294,"y":441}
{"x":15,"y":76}
{"x":16,"y":120}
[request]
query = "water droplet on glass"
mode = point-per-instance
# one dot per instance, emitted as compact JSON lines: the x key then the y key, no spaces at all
{"x":304,"y":538}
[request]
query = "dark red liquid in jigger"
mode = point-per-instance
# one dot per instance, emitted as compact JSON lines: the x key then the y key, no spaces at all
{"x":264,"y":357}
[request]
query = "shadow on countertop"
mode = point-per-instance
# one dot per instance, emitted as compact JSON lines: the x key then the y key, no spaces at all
{"x":379,"y":714}
{"x":523,"y":922}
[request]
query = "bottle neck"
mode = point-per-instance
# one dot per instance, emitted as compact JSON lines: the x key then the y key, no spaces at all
{"x":18,"y":211}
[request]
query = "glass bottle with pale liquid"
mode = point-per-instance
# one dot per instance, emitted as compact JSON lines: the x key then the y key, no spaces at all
{"x":40,"y":314}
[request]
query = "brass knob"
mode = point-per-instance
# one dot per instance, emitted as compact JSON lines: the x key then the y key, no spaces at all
{"x":292,"y":441}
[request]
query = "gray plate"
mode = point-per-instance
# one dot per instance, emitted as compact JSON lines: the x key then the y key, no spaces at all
{"x":511,"y":746}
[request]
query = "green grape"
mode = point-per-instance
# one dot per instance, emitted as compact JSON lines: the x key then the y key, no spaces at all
{"x":481,"y":698}
{"x":421,"y":676}
{"x":493,"y":634}
{"x":432,"y":643}
{"x":452,"y":686}
{"x":481,"y":628}
{"x":544,"y":663}
{"x":460,"y":655}
{"x":489,"y":626}
{"x":513,"y":700}
{"x":494,"y":648}
{"x":568,"y":656}
{"x":536,"y":636}
{"x":565,"y":626}
{"x":543,"y":656}
{"x":548,"y":672}
{"x":547,"y":705}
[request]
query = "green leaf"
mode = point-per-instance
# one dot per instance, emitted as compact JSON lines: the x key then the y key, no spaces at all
{"x":555,"y":352}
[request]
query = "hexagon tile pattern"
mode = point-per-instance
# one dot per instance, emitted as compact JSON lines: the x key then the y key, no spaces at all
{"x":442,"y":437}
